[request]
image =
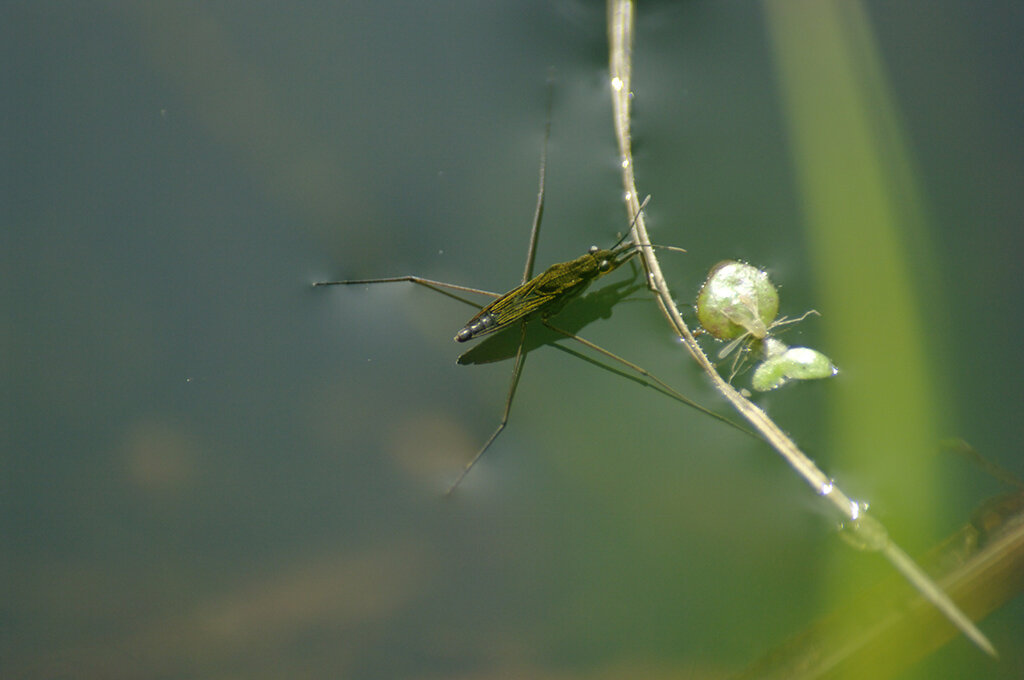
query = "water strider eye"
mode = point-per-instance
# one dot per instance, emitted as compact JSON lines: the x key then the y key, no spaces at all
{"x":593,"y":249}
{"x":604,"y":266}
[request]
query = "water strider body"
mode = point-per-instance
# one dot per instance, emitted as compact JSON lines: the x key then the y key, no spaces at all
{"x":545,"y":294}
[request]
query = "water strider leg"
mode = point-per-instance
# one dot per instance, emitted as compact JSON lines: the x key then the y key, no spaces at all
{"x":517,"y":371}
{"x":659,"y":384}
{"x":438,"y":286}
{"x":531,"y":256}
{"x":538,"y":213}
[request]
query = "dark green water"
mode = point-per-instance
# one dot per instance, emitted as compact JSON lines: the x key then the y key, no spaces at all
{"x":212,"y":470}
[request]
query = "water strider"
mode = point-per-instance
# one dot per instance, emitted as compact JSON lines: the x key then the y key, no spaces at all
{"x":547,"y":293}
{"x":540,"y":297}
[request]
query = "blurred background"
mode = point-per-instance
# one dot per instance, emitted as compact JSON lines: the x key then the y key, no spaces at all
{"x":211,"y":469}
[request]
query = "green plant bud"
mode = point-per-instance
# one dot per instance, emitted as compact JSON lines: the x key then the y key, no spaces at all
{"x":735,"y":300}
{"x":796,"y":363}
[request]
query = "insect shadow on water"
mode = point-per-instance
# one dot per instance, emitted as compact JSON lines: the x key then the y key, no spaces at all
{"x":541,"y":297}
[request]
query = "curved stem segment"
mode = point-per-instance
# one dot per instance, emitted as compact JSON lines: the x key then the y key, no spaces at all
{"x":620,"y":38}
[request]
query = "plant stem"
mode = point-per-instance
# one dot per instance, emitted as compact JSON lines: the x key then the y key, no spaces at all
{"x":869,"y":530}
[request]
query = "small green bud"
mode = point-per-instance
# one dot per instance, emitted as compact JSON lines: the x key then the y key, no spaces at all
{"x":795,"y":363}
{"x":737,"y":299}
